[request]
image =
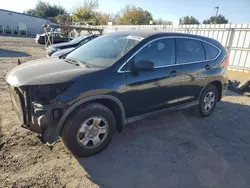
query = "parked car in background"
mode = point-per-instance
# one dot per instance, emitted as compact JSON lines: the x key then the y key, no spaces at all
{"x":69,"y":46}
{"x":57,"y":38}
{"x":116,"y":79}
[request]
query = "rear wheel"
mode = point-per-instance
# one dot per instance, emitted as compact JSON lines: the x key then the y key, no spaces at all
{"x":207,"y":101}
{"x":89,"y":130}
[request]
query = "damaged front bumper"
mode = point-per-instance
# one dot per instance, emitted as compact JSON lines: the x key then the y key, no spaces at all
{"x":39,"y":118}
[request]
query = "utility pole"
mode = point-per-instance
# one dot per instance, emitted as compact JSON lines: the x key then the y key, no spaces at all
{"x":216,"y":14}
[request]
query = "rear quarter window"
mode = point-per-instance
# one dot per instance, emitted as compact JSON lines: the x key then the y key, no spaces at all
{"x":211,"y":51}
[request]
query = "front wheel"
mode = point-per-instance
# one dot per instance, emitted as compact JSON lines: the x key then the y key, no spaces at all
{"x":89,"y":130}
{"x":207,"y":101}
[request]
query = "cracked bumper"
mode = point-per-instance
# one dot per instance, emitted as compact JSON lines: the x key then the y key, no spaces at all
{"x":38,"y":118}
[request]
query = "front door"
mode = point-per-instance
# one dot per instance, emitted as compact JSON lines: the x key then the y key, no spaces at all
{"x":154,"y":89}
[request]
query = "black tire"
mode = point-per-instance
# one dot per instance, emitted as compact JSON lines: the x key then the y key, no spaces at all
{"x":77,"y":118}
{"x":199,"y":109}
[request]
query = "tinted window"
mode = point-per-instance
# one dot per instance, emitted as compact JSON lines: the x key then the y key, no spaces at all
{"x":190,"y":50}
{"x":160,"y":52}
{"x":85,"y":41}
{"x":78,"y":39}
{"x":62,"y":36}
{"x":56,"y":35}
{"x":211,"y":51}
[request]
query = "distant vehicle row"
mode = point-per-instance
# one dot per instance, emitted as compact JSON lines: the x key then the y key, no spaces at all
{"x":57,"y":38}
{"x":56,"y":50}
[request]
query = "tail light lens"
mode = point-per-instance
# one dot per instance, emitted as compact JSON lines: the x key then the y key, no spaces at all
{"x":226,"y":62}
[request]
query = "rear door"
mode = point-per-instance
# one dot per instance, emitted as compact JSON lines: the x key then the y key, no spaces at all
{"x":156,"y":89}
{"x":192,"y":61}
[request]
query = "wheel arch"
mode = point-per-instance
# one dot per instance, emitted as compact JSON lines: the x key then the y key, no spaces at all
{"x":111,"y":102}
{"x":218,"y":85}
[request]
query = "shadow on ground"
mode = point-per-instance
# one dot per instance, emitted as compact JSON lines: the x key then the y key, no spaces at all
{"x":178,"y":150}
{"x":10,"y":53}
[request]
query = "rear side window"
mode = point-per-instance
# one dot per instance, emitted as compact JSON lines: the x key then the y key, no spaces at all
{"x":190,"y":50}
{"x":211,"y":51}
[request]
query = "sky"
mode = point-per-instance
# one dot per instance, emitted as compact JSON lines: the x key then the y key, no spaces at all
{"x":237,"y":11}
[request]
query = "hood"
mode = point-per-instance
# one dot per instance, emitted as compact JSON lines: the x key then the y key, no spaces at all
{"x":45,"y":71}
{"x":62,"y":52}
{"x":63,"y":45}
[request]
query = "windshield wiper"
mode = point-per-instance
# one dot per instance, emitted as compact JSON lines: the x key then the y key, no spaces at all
{"x":77,"y":62}
{"x":71,"y":62}
{"x":63,"y":56}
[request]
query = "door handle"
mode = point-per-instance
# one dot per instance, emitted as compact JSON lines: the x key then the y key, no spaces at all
{"x":173,"y":74}
{"x":207,"y":67}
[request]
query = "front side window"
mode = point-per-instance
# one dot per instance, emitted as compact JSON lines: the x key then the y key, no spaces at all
{"x":104,"y":50}
{"x":160,"y":52}
{"x":190,"y":50}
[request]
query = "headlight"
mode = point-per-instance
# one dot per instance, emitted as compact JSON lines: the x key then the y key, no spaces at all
{"x":44,"y":94}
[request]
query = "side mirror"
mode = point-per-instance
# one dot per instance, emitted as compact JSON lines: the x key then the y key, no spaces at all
{"x":143,"y":65}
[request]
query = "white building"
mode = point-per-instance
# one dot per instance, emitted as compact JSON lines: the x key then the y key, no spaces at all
{"x":14,"y":19}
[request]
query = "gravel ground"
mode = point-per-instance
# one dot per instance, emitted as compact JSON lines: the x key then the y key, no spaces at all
{"x":174,"y":150}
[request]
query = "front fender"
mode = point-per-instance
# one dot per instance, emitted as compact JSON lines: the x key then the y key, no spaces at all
{"x":83,"y":101}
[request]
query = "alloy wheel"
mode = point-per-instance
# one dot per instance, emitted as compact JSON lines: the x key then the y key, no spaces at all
{"x":92,"y":132}
{"x":209,"y":101}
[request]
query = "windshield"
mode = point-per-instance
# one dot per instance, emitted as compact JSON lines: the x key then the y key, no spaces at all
{"x":78,"y":39}
{"x":104,"y":50}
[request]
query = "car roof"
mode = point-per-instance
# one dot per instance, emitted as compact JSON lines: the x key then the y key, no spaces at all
{"x":148,"y":33}
{"x":139,"y":33}
{"x":53,"y":32}
{"x":151,"y":33}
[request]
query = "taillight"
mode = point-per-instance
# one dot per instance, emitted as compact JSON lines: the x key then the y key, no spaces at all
{"x":225,"y":62}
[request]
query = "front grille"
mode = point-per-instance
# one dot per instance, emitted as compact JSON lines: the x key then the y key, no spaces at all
{"x":16,"y":100}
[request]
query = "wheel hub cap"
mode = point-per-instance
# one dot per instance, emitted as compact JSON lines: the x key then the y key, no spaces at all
{"x":208,"y":102}
{"x":92,"y":132}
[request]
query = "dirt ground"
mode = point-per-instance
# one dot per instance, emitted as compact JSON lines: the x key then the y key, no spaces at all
{"x":174,"y":150}
{"x":239,"y":76}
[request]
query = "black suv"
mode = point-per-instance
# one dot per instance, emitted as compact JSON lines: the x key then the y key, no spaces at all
{"x":113,"y":80}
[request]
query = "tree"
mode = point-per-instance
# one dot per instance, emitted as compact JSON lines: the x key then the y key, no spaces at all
{"x":45,"y":10}
{"x":160,"y":21}
{"x":87,"y":12}
{"x":63,"y":19}
{"x":132,"y":15}
{"x":108,"y":17}
{"x":220,"y":19}
{"x":188,"y":20}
